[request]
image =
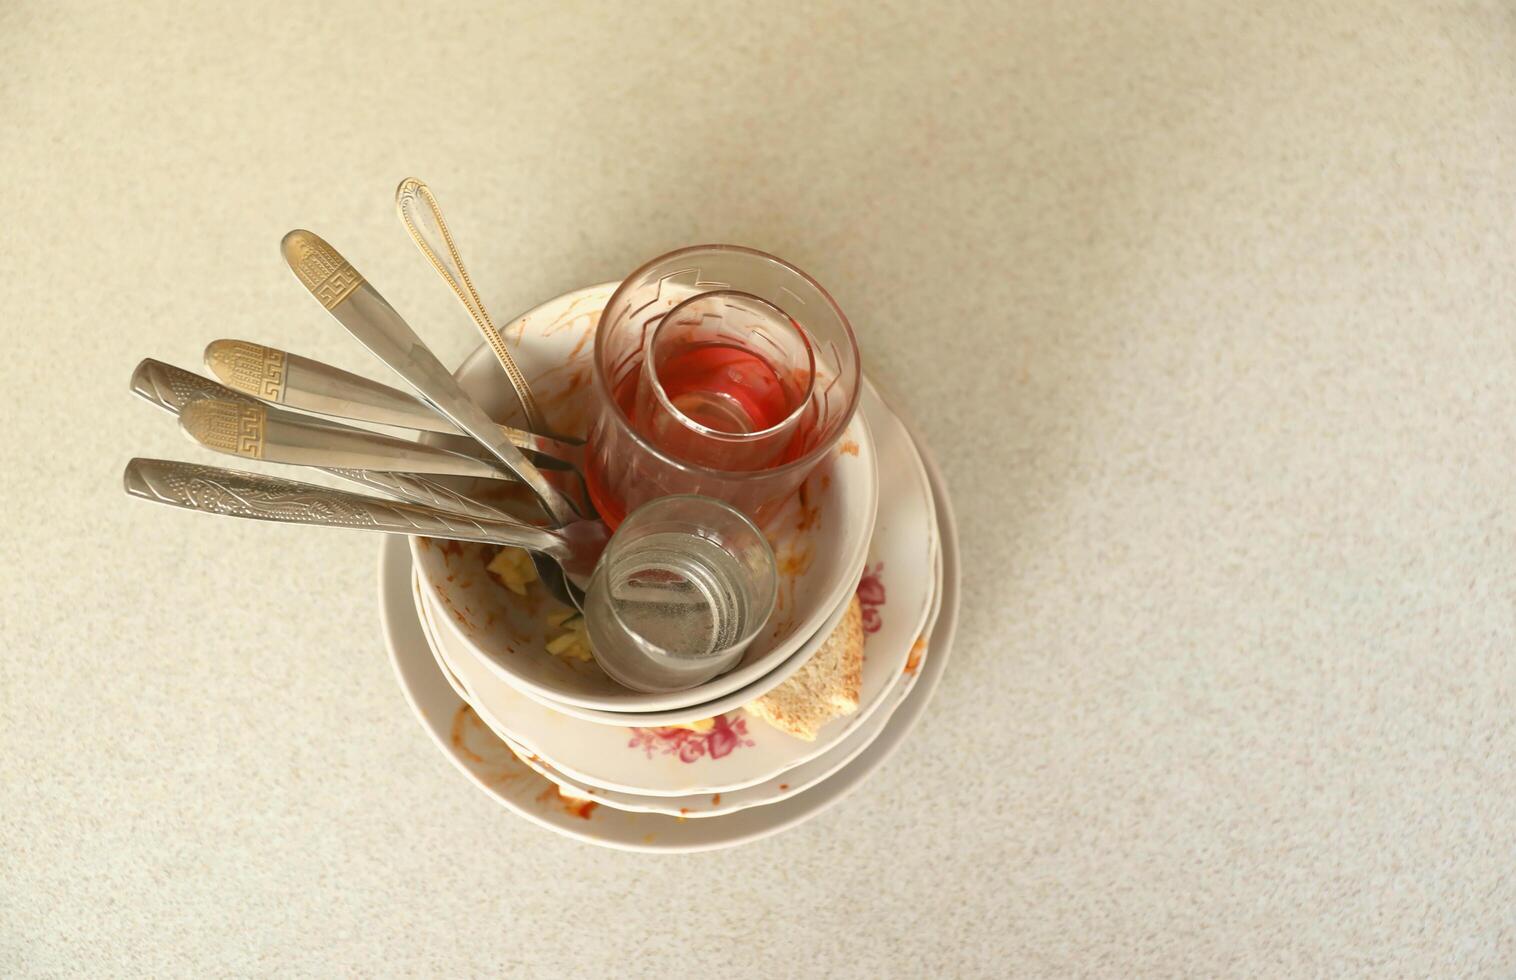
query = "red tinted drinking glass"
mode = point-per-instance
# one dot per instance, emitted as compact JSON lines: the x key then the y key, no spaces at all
{"x":726,"y":383}
{"x":719,"y":370}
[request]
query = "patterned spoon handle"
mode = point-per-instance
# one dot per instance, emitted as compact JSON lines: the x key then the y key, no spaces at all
{"x":252,"y":496}
{"x":172,"y":388}
{"x":416,"y":204}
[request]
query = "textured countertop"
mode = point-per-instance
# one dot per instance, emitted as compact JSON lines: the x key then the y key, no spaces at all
{"x":1209,"y":314}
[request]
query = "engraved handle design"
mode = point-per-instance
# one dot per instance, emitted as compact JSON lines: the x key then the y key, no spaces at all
{"x":412,"y":196}
{"x":420,"y":490}
{"x":252,"y":368}
{"x":172,"y":388}
{"x":326,"y":390}
{"x":226,"y":426}
{"x":251,"y":496}
{"x":321,"y":268}
{"x":385,"y":333}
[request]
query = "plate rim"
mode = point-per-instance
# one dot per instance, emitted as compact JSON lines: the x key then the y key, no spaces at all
{"x":523,"y":722}
{"x":795,"y":810}
{"x":899,"y":692}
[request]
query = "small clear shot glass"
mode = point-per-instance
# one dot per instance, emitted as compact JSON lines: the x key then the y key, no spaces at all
{"x":683,"y":587}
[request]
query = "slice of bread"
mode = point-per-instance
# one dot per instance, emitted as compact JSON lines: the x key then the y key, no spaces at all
{"x":826,"y":687}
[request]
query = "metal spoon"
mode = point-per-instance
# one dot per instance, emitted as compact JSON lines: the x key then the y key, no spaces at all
{"x":283,"y":378}
{"x":174,"y":389}
{"x":252,"y":496}
{"x":288,"y":379}
{"x":254,"y":431}
{"x":359,"y":307}
{"x":420,"y":213}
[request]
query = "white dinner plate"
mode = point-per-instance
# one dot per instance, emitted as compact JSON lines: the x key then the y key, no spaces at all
{"x":492,"y":766}
{"x":772,"y":790}
{"x":897,"y":591}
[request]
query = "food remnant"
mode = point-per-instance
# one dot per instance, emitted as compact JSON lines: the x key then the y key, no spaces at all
{"x":573,"y":643}
{"x":572,"y":806}
{"x":513,"y":568}
{"x":913,"y":659}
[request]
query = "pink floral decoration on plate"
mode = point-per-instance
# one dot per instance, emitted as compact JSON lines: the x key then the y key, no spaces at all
{"x":871,"y":597}
{"x":690,"y":746}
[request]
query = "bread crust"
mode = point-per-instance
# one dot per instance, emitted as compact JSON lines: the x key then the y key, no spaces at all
{"x":827,"y":686}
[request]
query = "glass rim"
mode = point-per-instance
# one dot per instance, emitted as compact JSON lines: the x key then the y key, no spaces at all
{"x":607,"y":396}
{"x":650,"y":371}
{"x":771,"y":579}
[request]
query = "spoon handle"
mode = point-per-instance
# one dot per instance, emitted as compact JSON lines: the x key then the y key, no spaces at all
{"x":260,"y":432}
{"x":252,"y":496}
{"x":312,"y":386}
{"x":420,"y":213}
{"x":173,"y":389}
{"x":357,"y":305}
{"x":420,"y":490}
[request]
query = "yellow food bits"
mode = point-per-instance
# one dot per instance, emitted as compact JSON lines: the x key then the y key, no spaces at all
{"x":574,"y":642}
{"x":513,"y":568}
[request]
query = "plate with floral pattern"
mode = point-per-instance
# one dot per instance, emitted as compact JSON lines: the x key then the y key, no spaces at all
{"x":463,"y":738}
{"x":780,"y":787}
{"x":738,"y":750}
{"x":705,"y":709}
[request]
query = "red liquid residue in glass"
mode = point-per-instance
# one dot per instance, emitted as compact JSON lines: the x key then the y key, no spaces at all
{"x":728,"y":388}
{"x":721,"y":386}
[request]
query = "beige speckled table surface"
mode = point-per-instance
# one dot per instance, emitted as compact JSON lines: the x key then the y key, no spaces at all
{"x":1209,"y":313}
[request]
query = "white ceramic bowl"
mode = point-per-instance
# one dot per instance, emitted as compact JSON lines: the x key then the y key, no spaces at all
{"x":897,"y":593}
{"x":487,"y":762}
{"x":880,"y":419}
{"x":820,"y":536}
{"x":778,"y":787}
{"x":705,"y":709}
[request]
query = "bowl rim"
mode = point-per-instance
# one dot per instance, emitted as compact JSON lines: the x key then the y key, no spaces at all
{"x":737,"y":679}
{"x":723,"y":831}
{"x":731,"y":701}
{"x":580,"y":750}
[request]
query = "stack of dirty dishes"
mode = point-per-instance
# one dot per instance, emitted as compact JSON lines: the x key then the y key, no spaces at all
{"x":659,"y":551}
